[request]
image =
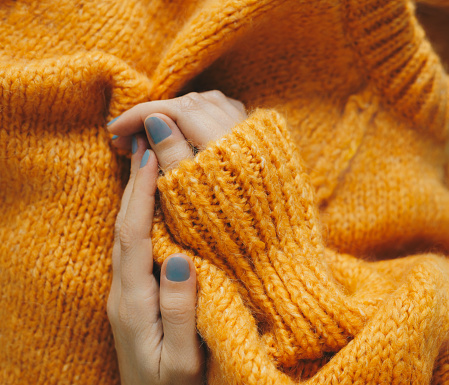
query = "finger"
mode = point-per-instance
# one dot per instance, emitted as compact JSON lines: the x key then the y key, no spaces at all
{"x":189,"y":112}
{"x":240,"y":106}
{"x":122,"y":142}
{"x":181,"y":351}
{"x":139,"y":147}
{"x":234,"y":108}
{"x":216,"y":105}
{"x":136,"y":258}
{"x":167,"y":141}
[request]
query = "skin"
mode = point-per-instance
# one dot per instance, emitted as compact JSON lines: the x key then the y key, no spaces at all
{"x":154,"y":326}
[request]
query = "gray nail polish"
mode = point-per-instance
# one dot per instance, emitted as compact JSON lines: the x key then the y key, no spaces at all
{"x":177,"y":270}
{"x":113,"y":120}
{"x":145,"y":157}
{"x":134,"y":144}
{"x":157,"y":129}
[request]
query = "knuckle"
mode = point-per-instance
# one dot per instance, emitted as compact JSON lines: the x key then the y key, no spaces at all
{"x":175,"y":312}
{"x":171,"y":165}
{"x":190,"y":102}
{"x":240,"y":106}
{"x":126,"y":236}
{"x":171,"y":162}
{"x":217,"y":95}
{"x":172,"y":156}
{"x":196,"y":96}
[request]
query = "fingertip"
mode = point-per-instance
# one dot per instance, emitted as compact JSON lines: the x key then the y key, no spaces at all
{"x":178,"y":293}
{"x":145,"y":158}
{"x":163,"y":117}
{"x":121,"y":142}
{"x":149,"y":158}
{"x":134,"y":144}
{"x":109,"y":124}
{"x":138,"y":145}
{"x":178,"y":268}
{"x":147,"y":171}
{"x":153,"y":162}
{"x":178,"y":312}
{"x":159,"y":127}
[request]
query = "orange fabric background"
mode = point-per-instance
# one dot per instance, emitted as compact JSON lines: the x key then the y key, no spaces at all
{"x":340,"y":274}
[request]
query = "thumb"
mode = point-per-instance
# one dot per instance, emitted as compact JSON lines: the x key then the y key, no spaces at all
{"x":181,"y":352}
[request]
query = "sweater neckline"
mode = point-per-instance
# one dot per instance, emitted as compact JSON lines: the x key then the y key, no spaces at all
{"x":399,"y":61}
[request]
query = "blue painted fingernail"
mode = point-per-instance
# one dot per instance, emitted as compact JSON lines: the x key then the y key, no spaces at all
{"x":134,"y":144}
{"x":145,"y":158}
{"x":157,"y":129}
{"x":178,"y":269}
{"x":114,"y":137}
{"x":113,"y":120}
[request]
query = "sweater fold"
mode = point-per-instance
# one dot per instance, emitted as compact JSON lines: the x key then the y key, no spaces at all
{"x":319,"y":226}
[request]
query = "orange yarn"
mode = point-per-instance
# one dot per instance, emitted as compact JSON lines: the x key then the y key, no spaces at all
{"x":319,"y":227}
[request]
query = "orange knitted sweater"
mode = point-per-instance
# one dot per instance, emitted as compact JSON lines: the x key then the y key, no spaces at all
{"x":319,"y":227}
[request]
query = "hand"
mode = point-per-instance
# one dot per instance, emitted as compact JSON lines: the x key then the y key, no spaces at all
{"x":170,"y":125}
{"x":154,"y":328}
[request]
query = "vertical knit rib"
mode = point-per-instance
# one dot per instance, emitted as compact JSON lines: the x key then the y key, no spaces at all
{"x":319,"y":227}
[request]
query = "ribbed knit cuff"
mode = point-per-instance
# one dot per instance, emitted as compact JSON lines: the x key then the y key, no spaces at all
{"x":246,"y":204}
{"x":399,"y":61}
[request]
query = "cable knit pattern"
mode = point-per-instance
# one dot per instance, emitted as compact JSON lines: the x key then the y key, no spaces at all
{"x":319,"y":226}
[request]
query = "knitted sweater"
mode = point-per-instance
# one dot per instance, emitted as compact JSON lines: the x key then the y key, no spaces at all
{"x":319,"y":226}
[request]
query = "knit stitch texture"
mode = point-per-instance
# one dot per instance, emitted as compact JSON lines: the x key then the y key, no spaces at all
{"x":319,"y":227}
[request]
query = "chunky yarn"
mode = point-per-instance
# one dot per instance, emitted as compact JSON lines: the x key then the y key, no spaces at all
{"x":319,"y":226}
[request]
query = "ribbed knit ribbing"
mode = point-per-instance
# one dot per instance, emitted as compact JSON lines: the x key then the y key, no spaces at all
{"x":401,"y":63}
{"x":260,"y":232}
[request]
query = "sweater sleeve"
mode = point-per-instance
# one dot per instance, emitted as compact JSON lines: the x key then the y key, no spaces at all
{"x":246,"y":205}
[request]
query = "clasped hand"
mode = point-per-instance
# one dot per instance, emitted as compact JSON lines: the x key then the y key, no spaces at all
{"x":154,"y":325}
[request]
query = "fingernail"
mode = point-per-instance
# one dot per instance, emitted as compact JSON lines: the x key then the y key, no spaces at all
{"x":113,"y":120}
{"x":114,"y":137}
{"x":178,"y":269}
{"x":134,"y":145}
{"x":145,"y":158}
{"x":157,"y":129}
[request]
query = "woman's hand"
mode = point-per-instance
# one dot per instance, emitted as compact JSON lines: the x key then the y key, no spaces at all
{"x":154,"y":327}
{"x":170,"y":125}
